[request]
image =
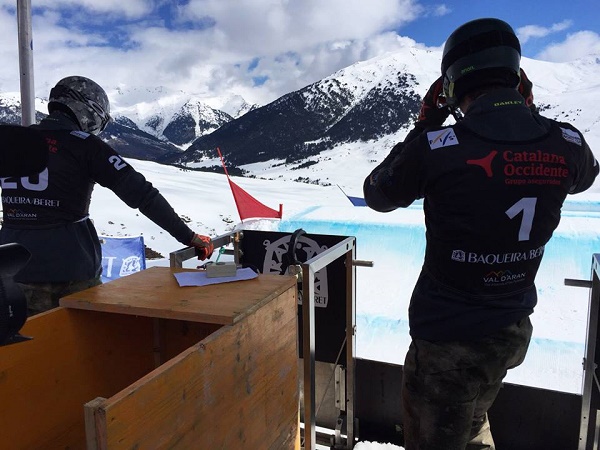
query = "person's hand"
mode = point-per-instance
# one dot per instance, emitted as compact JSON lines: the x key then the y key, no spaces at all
{"x":526,"y":90}
{"x":203,"y":245}
{"x":434,"y":110}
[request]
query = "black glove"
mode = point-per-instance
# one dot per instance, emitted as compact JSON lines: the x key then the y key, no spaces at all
{"x":526,"y":90}
{"x":203,"y":245}
{"x":434,"y":110}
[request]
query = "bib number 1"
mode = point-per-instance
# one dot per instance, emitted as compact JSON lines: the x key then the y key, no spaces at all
{"x":527,"y":206}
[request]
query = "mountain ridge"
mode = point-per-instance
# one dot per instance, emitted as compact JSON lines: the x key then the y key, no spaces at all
{"x":366,"y":107}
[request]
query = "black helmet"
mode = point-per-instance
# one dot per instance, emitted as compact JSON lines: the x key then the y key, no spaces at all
{"x":478,"y":53}
{"x":84,"y":99}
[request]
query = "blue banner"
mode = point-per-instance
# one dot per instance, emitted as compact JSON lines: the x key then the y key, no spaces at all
{"x":122,"y":256}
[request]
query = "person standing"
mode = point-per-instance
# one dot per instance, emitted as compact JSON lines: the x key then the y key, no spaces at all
{"x":493,"y":186}
{"x":48,"y":213}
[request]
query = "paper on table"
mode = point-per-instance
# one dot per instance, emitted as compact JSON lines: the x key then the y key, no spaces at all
{"x":199,"y":278}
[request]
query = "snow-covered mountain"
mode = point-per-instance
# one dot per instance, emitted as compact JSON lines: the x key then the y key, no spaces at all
{"x":175,"y":116}
{"x":194,"y":119}
{"x":10,"y":108}
{"x":364,"y":102}
{"x":355,"y":116}
{"x":236,"y":106}
{"x":148,"y":124}
{"x":319,"y":133}
{"x":122,"y":133}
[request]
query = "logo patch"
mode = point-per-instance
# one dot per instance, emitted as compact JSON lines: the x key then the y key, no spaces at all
{"x":459,"y":255}
{"x":485,"y":163}
{"x":571,"y":136}
{"x":503,"y":277}
{"x":80,"y":134}
{"x":442,"y":138}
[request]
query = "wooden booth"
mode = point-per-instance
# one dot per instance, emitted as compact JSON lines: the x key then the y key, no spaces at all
{"x":141,"y":363}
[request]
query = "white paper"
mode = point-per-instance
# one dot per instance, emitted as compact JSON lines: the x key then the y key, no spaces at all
{"x":199,"y":278}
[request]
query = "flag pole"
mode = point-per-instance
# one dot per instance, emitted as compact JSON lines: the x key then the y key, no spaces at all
{"x":26,"y":62}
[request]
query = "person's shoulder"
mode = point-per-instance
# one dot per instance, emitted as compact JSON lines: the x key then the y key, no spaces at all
{"x":566,"y":125}
{"x":89,"y":140}
{"x":82,"y":135}
{"x":569,"y":132}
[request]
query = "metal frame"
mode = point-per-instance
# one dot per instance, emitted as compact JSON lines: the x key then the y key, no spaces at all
{"x":177,"y":257}
{"x":588,"y":425}
{"x":347,"y":249}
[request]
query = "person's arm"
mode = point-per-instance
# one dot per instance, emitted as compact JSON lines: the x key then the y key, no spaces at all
{"x":396,"y":182}
{"x":113,"y":172}
{"x":587,"y":170}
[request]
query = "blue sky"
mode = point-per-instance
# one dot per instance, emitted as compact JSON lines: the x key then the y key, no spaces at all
{"x":554,"y":20}
{"x":262,"y":49}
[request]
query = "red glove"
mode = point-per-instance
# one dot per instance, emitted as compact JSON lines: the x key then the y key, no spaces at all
{"x":434,"y":110}
{"x":526,"y":90}
{"x":203,"y":245}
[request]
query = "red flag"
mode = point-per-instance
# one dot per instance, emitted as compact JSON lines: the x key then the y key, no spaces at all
{"x":248,"y":207}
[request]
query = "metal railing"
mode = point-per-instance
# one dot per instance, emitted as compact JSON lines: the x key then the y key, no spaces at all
{"x":178,"y":257}
{"x":590,"y":415}
{"x":346,"y":248}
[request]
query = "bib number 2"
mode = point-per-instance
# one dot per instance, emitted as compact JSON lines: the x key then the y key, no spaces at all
{"x":30,"y":183}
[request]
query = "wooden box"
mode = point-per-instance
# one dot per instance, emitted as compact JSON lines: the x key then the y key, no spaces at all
{"x":141,"y":363}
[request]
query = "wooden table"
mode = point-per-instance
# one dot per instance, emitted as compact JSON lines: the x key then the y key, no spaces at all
{"x":143,"y":363}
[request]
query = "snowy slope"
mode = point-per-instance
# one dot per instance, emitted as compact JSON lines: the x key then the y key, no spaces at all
{"x":566,"y":92}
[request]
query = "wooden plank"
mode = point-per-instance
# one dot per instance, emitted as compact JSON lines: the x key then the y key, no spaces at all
{"x":74,"y":356}
{"x":91,"y":436}
{"x":171,"y":337}
{"x":154,"y":292}
{"x":236,"y":389}
{"x":178,"y":336}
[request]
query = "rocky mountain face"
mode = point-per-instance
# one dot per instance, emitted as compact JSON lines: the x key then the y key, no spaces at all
{"x":122,"y":134}
{"x":129,"y":141}
{"x":313,"y":119}
{"x":174,"y":116}
{"x":10,"y":110}
{"x":360,"y":103}
{"x":155,"y":137}
{"x":365,"y":109}
{"x":368,"y":106}
{"x":193,"y":120}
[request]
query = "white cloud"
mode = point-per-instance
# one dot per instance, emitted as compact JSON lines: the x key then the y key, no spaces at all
{"x":268,"y":27}
{"x":441,"y":10}
{"x":577,"y":45}
{"x":207,"y":46}
{"x":535,"y":31}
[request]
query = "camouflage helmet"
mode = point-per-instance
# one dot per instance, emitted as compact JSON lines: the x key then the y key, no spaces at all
{"x":84,"y":99}
{"x":479,"y":52}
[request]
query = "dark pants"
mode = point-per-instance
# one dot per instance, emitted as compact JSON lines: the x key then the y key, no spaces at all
{"x":44,"y":296}
{"x":448,"y":388}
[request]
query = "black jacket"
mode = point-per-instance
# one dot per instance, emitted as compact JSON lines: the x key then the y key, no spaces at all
{"x":48,"y":213}
{"x":493,"y":187}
